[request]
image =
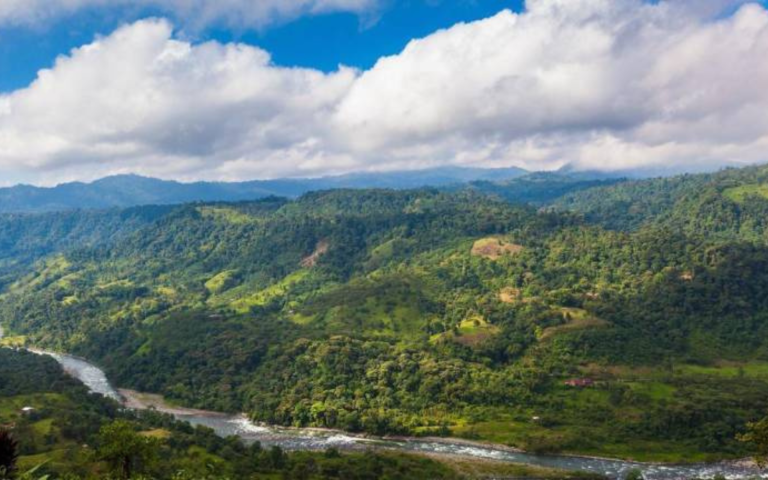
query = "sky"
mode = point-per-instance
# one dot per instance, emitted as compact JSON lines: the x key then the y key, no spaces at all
{"x":245,"y":89}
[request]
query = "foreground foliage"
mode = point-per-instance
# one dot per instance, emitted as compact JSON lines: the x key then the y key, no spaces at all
{"x":73,"y":435}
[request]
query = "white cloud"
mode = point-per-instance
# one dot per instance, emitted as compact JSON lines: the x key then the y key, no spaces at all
{"x":195,"y":13}
{"x":139,"y":100}
{"x":606,"y":84}
{"x":602,"y":83}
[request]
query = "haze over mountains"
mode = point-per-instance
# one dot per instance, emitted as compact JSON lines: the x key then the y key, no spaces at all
{"x":132,"y":190}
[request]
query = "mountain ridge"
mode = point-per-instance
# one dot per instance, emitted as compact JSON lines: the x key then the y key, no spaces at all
{"x":127,"y":190}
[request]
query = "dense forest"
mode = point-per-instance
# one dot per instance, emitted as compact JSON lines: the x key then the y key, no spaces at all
{"x":730,"y":204}
{"x":430,"y":312}
{"x":71,"y":434}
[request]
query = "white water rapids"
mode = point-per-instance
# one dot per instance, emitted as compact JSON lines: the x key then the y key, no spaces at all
{"x":312,"y":439}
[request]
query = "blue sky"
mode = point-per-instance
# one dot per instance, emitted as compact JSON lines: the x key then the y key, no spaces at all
{"x":619,"y":85}
{"x":317,"y":41}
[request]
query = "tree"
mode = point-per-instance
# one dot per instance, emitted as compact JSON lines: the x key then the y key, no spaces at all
{"x":9,"y":454}
{"x":277,"y":457}
{"x":125,"y":449}
{"x":635,"y":474}
{"x":757,"y":437}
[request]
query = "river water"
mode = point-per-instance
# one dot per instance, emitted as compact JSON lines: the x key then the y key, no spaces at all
{"x":309,"y":439}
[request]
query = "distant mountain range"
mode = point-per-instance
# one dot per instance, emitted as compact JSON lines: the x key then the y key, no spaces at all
{"x":133,"y":190}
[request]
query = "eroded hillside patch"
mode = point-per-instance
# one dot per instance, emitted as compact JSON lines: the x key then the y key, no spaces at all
{"x":510,"y":295}
{"x":320,"y":250}
{"x":494,"y":248}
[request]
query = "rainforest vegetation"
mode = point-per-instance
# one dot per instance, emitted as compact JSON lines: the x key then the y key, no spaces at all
{"x":458,"y":311}
{"x":74,"y":435}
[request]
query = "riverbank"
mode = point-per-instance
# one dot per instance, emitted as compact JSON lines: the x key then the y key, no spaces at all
{"x":463,"y":453}
{"x":466,"y":465}
{"x":454,"y":450}
{"x":145,"y":401}
{"x":141,"y":401}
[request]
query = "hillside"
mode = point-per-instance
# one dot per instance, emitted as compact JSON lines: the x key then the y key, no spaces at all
{"x":730,"y":204}
{"x":67,"y":433}
{"x":540,"y":188}
{"x":132,"y":190}
{"x":27,"y":238}
{"x":426,"y":312}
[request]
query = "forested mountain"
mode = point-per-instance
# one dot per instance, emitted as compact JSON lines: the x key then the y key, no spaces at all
{"x":26,"y":238}
{"x":438,"y":312}
{"x":133,"y":190}
{"x":74,"y":435}
{"x":539,"y":188}
{"x":730,"y":204}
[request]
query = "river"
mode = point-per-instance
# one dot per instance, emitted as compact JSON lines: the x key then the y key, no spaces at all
{"x":297,"y":439}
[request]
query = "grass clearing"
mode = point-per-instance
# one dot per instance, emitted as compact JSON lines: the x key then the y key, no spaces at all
{"x":470,"y":332}
{"x":69,"y":300}
{"x":726,"y":369}
{"x":167,"y":292}
{"x":221,"y":281}
{"x":576,"y":319}
{"x":390,"y":305}
{"x":117,"y":284}
{"x":741,"y":193}
{"x":225,"y":215}
{"x":52,"y":268}
{"x":158,"y":433}
{"x":375,"y":317}
{"x":16,"y":341}
{"x":43,"y":427}
{"x":68,"y":281}
{"x":57,"y":458}
{"x":261,"y":297}
{"x":654,"y":390}
{"x":10,"y":407}
{"x":503,"y":430}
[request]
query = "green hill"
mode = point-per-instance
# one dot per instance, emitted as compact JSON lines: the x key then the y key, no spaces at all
{"x":61,"y":435}
{"x":376,"y":310}
{"x":730,"y":204}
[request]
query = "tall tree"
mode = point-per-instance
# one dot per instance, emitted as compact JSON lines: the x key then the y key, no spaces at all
{"x":757,"y":436}
{"x":9,"y":454}
{"x":124,"y":448}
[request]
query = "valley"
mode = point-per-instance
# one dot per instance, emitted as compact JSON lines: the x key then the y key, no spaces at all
{"x":383,"y":240}
{"x":444,"y":449}
{"x":609,"y":322}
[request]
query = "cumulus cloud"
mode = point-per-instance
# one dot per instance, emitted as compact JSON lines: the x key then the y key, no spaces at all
{"x":597,"y":84}
{"x":139,"y":100}
{"x":195,"y":13}
{"x":601,"y":83}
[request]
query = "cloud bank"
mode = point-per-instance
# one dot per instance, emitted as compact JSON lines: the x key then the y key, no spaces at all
{"x":596,"y":84}
{"x":194,"y":13}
